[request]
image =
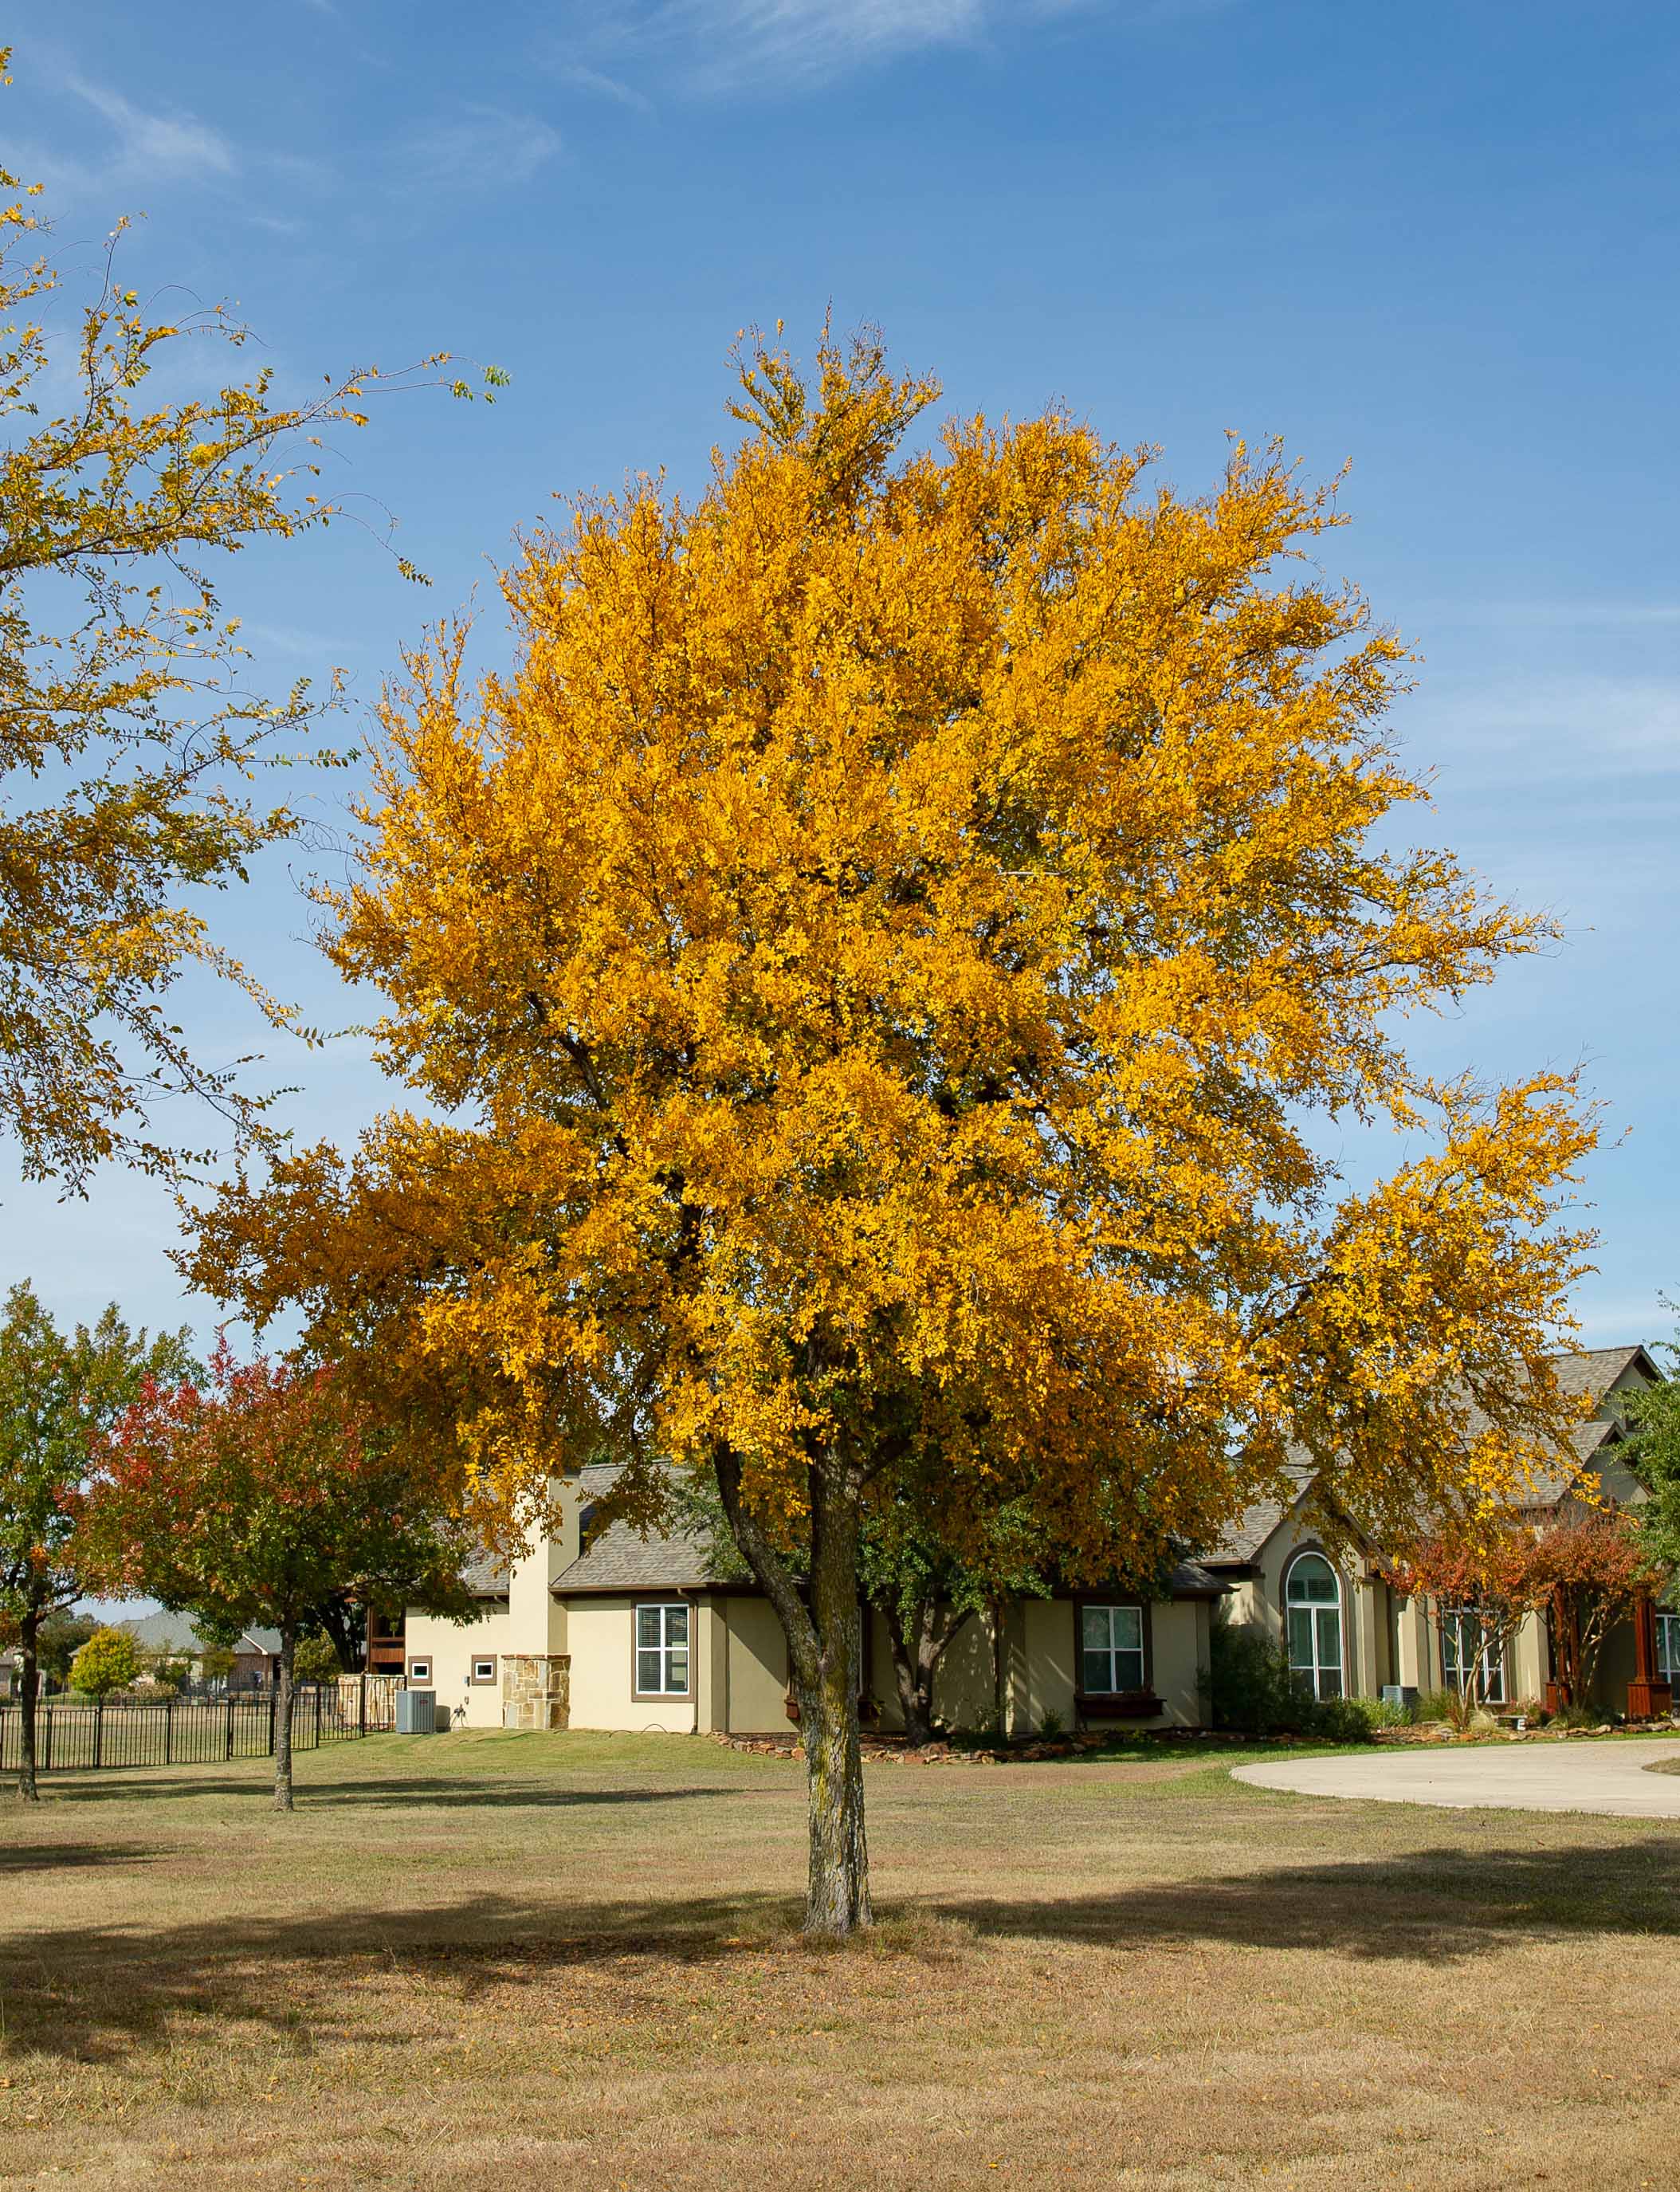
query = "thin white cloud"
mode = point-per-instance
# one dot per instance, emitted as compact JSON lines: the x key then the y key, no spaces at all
{"x":157,"y":146}
{"x":604,"y":86}
{"x":479,"y":148}
{"x":1523,"y":733}
{"x":807,"y":40}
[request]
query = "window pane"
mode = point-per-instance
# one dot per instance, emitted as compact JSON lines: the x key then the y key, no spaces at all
{"x":1301,"y":1637}
{"x":676,"y":1624}
{"x":1096,"y":1676}
{"x":1311,"y":1577}
{"x":647,"y":1624}
{"x":1128,"y":1670}
{"x":1094,"y":1628}
{"x":647,"y":1670}
{"x":1330,"y":1682}
{"x":677,"y":1673}
{"x":1329,"y":1640}
{"x":1128,"y":1628}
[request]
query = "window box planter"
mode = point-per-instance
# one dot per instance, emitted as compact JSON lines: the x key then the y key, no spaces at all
{"x":1122,"y":1704}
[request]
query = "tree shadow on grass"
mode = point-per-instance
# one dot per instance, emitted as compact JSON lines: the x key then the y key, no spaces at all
{"x":102,"y":1993}
{"x":408,"y":1792}
{"x":65,"y":1857}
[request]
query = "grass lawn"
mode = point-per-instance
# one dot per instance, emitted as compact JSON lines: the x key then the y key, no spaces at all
{"x":494,"y":1961}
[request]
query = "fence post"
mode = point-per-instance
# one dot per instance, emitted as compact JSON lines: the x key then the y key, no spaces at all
{"x":169,"y":1730}
{"x":46,"y":1762}
{"x":273,"y":1699}
{"x":230,"y":1723}
{"x":361,"y":1709}
{"x":317,"y":1716}
{"x":99,"y":1732}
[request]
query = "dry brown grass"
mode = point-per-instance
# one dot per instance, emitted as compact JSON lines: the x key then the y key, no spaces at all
{"x":492,"y":1961}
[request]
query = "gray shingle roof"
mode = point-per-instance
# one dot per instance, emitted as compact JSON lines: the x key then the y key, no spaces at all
{"x":485,"y":1576}
{"x":622,"y":1559}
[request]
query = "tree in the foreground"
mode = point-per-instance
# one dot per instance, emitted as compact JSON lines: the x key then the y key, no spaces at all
{"x":108,"y":1661}
{"x":58,"y":1393}
{"x":1591,"y":1568}
{"x":129,"y":738}
{"x":877,"y":968}
{"x":254,"y":1499}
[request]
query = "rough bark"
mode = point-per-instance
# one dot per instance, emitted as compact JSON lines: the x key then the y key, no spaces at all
{"x":284,"y":1697}
{"x":918,"y":1643}
{"x":29,"y":1629}
{"x":824,"y":1630}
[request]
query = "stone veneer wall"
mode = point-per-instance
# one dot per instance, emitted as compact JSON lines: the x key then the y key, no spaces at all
{"x":536,"y":1689}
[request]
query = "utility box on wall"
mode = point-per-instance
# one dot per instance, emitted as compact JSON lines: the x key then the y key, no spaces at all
{"x":417,"y":1712}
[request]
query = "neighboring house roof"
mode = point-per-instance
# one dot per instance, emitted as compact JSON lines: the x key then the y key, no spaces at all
{"x":156,"y":1632}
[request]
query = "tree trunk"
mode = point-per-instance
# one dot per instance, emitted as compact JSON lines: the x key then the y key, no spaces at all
{"x":28,"y":1642}
{"x":918,"y":1649}
{"x":285,"y":1696}
{"x":825,"y":1656}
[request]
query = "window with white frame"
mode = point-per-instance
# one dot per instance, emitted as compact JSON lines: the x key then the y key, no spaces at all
{"x":1472,"y":1656}
{"x":661,"y":1651}
{"x":1312,"y":1622}
{"x":1111,"y":1649}
{"x":484,"y":1671}
{"x":419,"y":1670}
{"x":1668,"y":1646}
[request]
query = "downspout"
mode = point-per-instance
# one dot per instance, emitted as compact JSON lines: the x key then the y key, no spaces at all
{"x":693,"y":1598}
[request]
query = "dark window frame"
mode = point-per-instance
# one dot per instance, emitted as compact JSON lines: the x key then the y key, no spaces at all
{"x":419,"y":1670}
{"x":491,"y":1659}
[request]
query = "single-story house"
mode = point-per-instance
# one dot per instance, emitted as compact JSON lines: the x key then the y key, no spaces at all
{"x":256,"y":1651}
{"x":606,"y":1629}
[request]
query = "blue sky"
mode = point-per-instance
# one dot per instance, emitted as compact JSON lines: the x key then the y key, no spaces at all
{"x":1436,"y":242}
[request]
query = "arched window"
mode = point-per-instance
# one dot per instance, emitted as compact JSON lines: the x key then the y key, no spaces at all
{"x":1312,"y":1619}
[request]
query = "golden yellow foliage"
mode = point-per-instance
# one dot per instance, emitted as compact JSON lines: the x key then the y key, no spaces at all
{"x":881,"y":958}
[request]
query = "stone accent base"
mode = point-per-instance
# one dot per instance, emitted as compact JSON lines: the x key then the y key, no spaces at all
{"x":537,"y":1689}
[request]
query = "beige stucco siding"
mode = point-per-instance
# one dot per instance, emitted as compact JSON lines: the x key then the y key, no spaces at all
{"x":1047,"y":1628}
{"x":755,"y":1681}
{"x":602,"y":1640}
{"x":1179,"y":1638}
{"x":450,"y":1647}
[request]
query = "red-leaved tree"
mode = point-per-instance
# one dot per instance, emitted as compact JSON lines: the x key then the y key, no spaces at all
{"x":258,"y":1496}
{"x":1491,"y":1577}
{"x":1590,"y":1569}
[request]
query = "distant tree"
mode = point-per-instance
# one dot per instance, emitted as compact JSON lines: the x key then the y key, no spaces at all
{"x":1652,"y":1416}
{"x":317,"y":1659}
{"x":257,"y":1499}
{"x":109,"y":1660}
{"x":58,"y":1394}
{"x":216,"y":1662}
{"x":60,"y":1638}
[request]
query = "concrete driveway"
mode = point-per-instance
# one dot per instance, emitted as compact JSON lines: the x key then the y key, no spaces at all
{"x":1611,"y":1777}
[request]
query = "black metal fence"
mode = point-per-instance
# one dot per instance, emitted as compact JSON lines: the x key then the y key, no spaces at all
{"x":181,"y":1731}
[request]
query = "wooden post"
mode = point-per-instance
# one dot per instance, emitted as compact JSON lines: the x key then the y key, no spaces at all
{"x":1648,"y":1696}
